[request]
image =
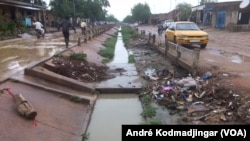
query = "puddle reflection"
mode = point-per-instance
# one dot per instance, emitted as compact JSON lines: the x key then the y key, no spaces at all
{"x":110,"y":112}
{"x":121,"y":53}
{"x":113,"y":110}
{"x":236,"y":59}
{"x":232,"y":56}
{"x":16,"y":54}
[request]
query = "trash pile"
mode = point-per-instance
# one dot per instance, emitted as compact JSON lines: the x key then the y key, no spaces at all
{"x":208,"y":98}
{"x":200,"y":99}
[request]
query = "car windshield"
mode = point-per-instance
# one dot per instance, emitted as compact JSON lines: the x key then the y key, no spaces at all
{"x":186,"y":26}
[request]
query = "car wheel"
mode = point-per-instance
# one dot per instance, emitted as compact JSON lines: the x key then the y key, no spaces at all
{"x":203,"y":45}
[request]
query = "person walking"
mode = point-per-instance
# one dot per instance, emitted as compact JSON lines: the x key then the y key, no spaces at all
{"x":83,"y":26}
{"x":66,"y":25}
{"x":39,"y":27}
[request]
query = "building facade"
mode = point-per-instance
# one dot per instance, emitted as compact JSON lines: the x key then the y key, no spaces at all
{"x":22,"y":11}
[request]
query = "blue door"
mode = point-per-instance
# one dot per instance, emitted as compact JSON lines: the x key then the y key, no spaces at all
{"x":220,"y":19}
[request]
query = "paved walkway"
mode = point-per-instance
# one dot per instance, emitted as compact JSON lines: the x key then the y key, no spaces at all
{"x":59,"y":118}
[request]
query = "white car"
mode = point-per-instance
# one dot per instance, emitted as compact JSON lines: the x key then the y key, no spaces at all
{"x":166,"y":23}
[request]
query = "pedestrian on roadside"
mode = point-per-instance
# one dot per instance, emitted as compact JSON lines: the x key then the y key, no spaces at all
{"x":39,"y":26}
{"x":66,"y":24}
{"x":83,"y":26}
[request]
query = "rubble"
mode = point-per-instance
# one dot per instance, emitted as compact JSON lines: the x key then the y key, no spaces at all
{"x":207,"y":98}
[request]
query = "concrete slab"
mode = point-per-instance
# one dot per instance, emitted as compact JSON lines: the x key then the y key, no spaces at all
{"x":58,"y":118}
{"x":126,"y":80}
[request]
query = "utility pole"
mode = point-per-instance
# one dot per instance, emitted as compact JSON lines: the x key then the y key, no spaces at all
{"x":32,"y":2}
{"x":44,"y":19}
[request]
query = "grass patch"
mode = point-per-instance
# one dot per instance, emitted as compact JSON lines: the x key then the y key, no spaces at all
{"x":78,"y":56}
{"x":108,"y":51}
{"x":128,"y":33}
{"x":75,"y":99}
{"x":131,"y":59}
{"x":146,"y":100}
{"x":85,"y":136}
{"x":148,"y":111}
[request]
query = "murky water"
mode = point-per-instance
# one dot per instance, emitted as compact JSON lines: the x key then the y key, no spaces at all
{"x":121,"y":53}
{"x":113,"y":110}
{"x":17,"y":54}
{"x":232,"y":56}
{"x":110,"y":112}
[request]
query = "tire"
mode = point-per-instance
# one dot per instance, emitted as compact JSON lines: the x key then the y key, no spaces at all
{"x":203,"y":46}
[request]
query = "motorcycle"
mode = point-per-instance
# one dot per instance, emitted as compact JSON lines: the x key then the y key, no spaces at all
{"x":39,"y":34}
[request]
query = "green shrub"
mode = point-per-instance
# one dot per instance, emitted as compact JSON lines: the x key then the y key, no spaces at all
{"x":146,"y":99}
{"x":128,"y":33}
{"x":76,"y":99}
{"x":108,"y":51}
{"x":131,"y":59}
{"x":148,"y":111}
{"x":11,"y":27}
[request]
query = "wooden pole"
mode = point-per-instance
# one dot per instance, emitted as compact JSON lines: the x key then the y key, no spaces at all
{"x":24,"y":107}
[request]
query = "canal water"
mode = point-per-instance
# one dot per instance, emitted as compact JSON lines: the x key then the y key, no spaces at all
{"x":111,"y":111}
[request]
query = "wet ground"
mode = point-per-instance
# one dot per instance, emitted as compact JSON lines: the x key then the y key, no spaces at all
{"x":226,"y":51}
{"x":54,"y":103}
{"x":205,"y":99}
{"x":149,"y":61}
{"x":17,"y":54}
{"x":226,"y":62}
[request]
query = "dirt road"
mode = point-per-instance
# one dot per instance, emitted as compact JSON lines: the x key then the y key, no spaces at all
{"x":226,"y":52}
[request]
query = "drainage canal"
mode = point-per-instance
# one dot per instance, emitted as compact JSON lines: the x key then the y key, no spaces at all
{"x":113,"y":110}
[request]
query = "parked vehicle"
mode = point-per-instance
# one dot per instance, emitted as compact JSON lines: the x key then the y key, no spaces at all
{"x":186,"y":33}
{"x":162,"y":26}
{"x":166,"y":23}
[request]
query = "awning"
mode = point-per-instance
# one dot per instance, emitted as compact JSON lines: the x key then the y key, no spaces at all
{"x":28,"y":7}
{"x":21,"y":6}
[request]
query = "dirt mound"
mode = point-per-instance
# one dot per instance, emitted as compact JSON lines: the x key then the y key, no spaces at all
{"x":83,"y":71}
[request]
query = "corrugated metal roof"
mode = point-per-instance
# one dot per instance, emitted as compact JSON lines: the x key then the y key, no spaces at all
{"x":25,"y":7}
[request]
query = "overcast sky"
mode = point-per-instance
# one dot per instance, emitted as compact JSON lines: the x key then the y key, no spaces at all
{"x":121,"y":8}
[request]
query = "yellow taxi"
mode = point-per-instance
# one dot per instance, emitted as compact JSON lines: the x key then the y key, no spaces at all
{"x":186,"y":33}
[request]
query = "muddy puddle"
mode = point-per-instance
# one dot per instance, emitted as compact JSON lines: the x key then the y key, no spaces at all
{"x":17,"y":54}
{"x":231,"y":56}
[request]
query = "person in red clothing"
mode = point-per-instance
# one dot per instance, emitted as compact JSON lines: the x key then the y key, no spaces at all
{"x":66,"y":25}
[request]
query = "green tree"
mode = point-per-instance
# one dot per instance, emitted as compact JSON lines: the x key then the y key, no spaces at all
{"x":185,"y":10}
{"x":91,"y":9}
{"x":207,"y":1}
{"x":111,"y":18}
{"x":141,"y":12}
{"x":128,"y":19}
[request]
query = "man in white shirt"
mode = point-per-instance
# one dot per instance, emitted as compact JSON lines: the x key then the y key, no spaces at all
{"x":83,"y":26}
{"x":39,"y":26}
